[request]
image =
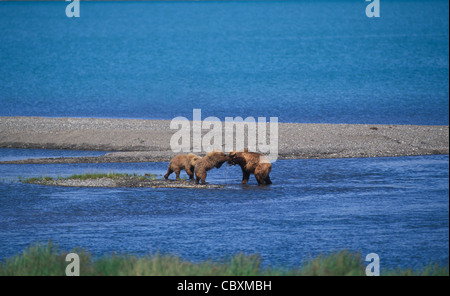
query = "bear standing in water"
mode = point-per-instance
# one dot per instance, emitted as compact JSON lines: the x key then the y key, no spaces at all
{"x":252,"y":163}
{"x":211,"y":160}
{"x":182,"y":162}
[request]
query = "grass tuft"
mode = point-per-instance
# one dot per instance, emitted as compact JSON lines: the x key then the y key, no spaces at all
{"x":47,"y":260}
{"x":90,"y":176}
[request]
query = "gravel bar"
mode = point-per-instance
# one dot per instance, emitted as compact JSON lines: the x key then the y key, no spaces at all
{"x":134,"y":140}
{"x":124,"y":182}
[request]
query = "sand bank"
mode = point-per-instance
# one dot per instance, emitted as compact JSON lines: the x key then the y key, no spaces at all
{"x":149,"y":140}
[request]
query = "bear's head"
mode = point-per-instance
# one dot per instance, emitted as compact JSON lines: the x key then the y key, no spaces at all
{"x":234,"y":155}
{"x":217,"y":157}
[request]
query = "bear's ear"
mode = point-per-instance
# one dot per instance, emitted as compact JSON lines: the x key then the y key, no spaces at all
{"x":245,"y":149}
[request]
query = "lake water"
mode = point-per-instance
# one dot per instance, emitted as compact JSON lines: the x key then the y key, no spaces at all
{"x":395,"y":207}
{"x":7,"y":154}
{"x":302,"y":61}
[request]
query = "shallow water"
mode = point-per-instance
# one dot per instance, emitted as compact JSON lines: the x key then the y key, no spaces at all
{"x":7,"y":154}
{"x":395,"y":207}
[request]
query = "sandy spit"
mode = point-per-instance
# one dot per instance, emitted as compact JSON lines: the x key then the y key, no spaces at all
{"x":132,"y":140}
{"x":124,"y":182}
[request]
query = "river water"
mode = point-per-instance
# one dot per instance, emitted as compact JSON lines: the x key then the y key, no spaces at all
{"x":395,"y":207}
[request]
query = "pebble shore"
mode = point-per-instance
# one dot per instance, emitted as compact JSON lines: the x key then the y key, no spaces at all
{"x":133,"y":140}
{"x":124,"y":182}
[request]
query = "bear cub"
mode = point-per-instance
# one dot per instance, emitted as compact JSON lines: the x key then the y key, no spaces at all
{"x":182,"y":162}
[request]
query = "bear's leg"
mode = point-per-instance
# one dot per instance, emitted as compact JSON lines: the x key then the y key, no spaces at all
{"x":199,"y":175}
{"x":190,"y":173}
{"x":204,"y":178}
{"x":260,"y":175}
{"x":245,"y":177}
{"x":267,"y":180}
{"x":259,"y":179}
{"x":169,"y":171}
{"x":177,"y":173}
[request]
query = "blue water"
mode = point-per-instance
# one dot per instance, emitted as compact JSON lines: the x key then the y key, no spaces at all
{"x":302,"y":61}
{"x":395,"y":207}
{"x":7,"y":154}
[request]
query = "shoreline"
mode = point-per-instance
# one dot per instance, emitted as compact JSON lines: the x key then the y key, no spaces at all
{"x":138,"y":140}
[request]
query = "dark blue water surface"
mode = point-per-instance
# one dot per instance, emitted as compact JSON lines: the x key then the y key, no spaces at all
{"x":7,"y":154}
{"x":395,"y":207}
{"x":302,"y":61}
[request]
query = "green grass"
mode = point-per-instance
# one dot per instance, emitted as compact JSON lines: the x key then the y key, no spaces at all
{"x":87,"y":176}
{"x":48,"y":260}
{"x":98,"y":176}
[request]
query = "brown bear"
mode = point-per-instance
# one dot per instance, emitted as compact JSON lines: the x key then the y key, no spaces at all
{"x":211,"y":160}
{"x":182,"y":162}
{"x":252,"y":163}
